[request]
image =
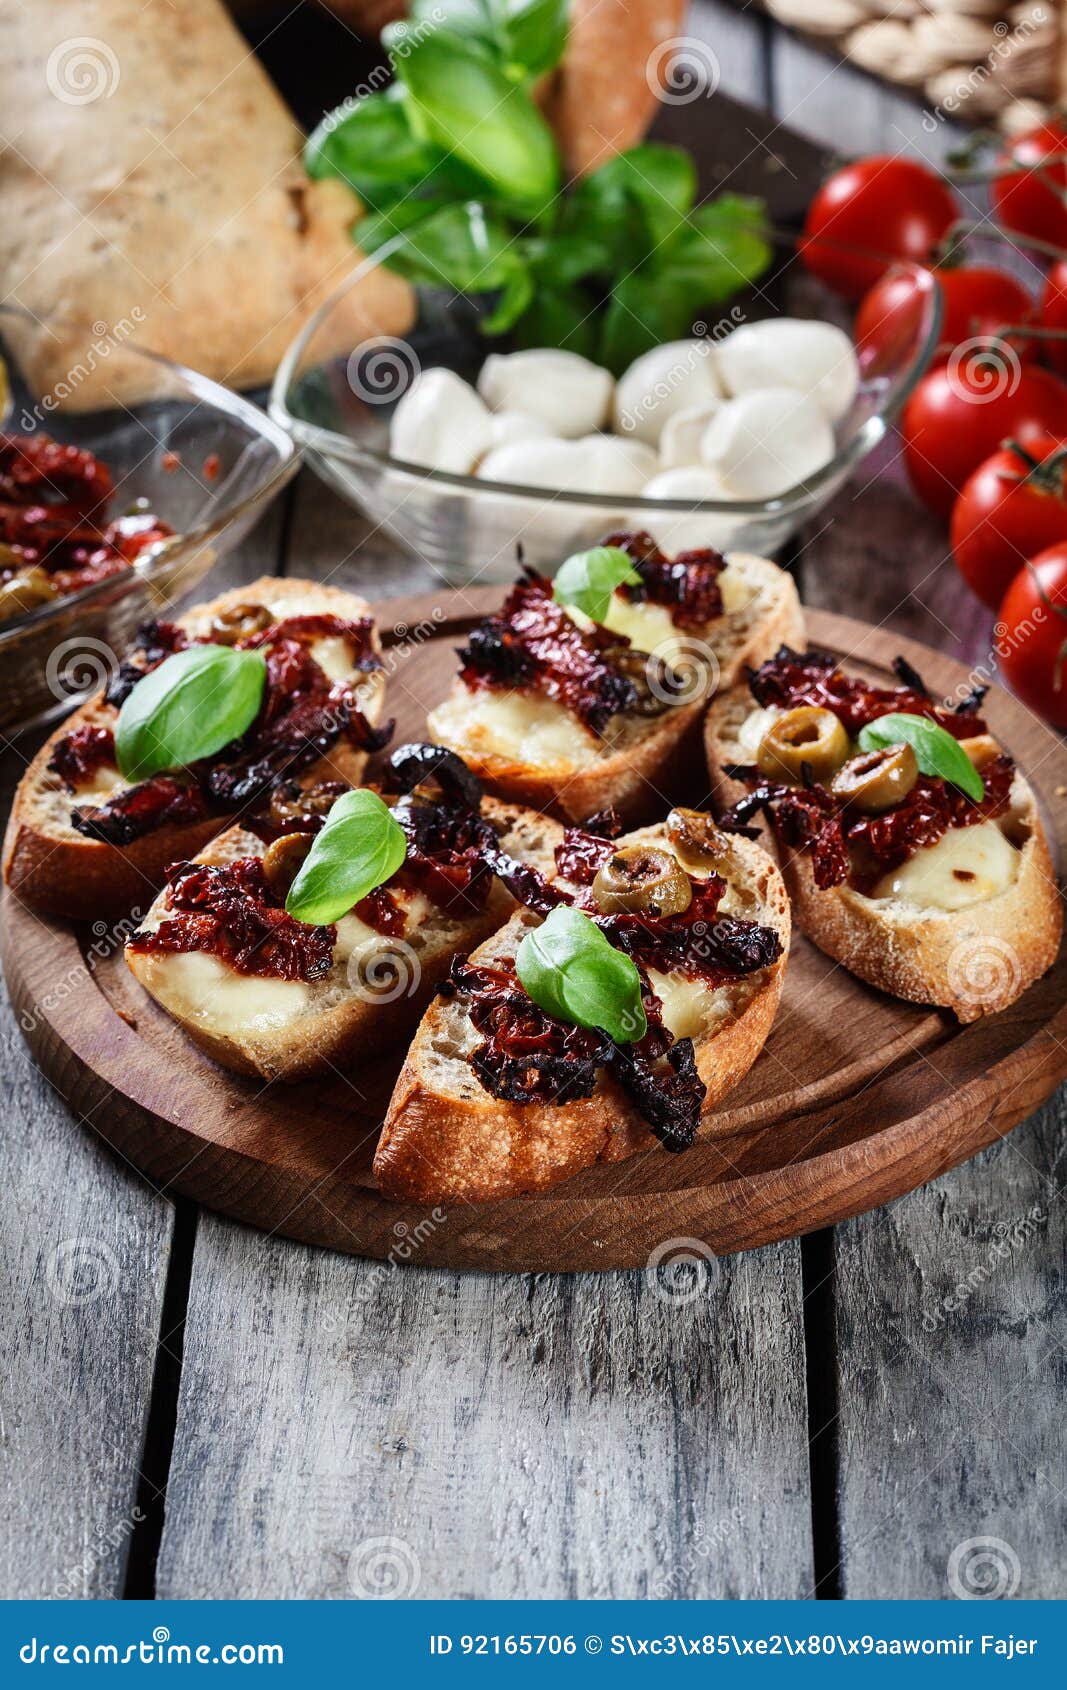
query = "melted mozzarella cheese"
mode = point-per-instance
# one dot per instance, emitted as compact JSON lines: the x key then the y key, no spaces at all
{"x":201,"y":988}
{"x":103,"y":784}
{"x":522,"y":726}
{"x":650,"y":627}
{"x":737,"y":593}
{"x":754,"y":726}
{"x":688,"y":1003}
{"x":333,"y":654}
{"x":966,"y":866}
{"x":356,"y":938}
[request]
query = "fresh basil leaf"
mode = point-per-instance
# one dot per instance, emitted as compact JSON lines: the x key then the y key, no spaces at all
{"x":588,"y":579}
{"x":463,"y":247}
{"x":722,"y":247}
{"x":360,"y":847}
{"x":193,"y":704}
{"x":660,"y":181}
{"x":515,"y":298}
{"x":372,"y":147}
{"x":571,"y":971}
{"x":526,"y":36}
{"x":644,"y":311}
{"x":470,"y":106}
{"x":937,"y":752}
{"x":562,"y":317}
{"x":559,"y":260}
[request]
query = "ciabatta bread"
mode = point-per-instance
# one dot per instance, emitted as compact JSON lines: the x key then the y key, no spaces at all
{"x":530,"y":749}
{"x":374,"y":994}
{"x":445,"y":1137}
{"x":972,"y":961}
{"x":49,"y":865}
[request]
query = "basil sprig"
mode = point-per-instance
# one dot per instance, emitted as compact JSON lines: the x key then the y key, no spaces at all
{"x":936,"y":751}
{"x":360,"y":847}
{"x":587,"y":579}
{"x":571,"y":971}
{"x":193,"y":704}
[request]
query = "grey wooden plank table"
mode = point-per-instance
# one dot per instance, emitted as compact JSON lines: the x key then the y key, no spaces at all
{"x":193,"y":1409}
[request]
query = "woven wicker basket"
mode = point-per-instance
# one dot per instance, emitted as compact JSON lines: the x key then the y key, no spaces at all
{"x":975,"y":61}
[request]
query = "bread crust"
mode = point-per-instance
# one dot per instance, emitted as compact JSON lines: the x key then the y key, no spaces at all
{"x":641,"y":777}
{"x":61,"y":873}
{"x":438,"y":1146}
{"x":973,"y":962}
{"x":354,"y":1027}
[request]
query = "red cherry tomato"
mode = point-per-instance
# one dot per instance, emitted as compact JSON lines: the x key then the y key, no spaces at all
{"x":976,"y":300}
{"x":1015,"y":504}
{"x":885,"y":208}
{"x":1034,"y":202}
{"x":1054,"y":316}
{"x":1031,"y":634}
{"x":961,"y":412}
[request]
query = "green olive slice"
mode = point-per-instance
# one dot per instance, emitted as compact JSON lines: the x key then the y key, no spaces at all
{"x":239,"y":622}
{"x":642,"y":880}
{"x":283,"y":860}
{"x":806,"y":735}
{"x":27,"y":590}
{"x":874,"y":781}
{"x":698,"y":844}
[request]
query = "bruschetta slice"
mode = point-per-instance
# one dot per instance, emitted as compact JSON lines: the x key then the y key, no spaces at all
{"x":931,"y":892}
{"x":263,"y":992}
{"x":500,"y":1096}
{"x":571,"y":716}
{"x":85,"y":842}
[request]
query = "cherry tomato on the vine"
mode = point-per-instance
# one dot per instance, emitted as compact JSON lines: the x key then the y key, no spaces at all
{"x":885,"y":209}
{"x":1054,"y":316}
{"x":1031,"y":643}
{"x":977,"y":300}
{"x":1034,"y":202}
{"x":1015,"y":504}
{"x":961,"y":412}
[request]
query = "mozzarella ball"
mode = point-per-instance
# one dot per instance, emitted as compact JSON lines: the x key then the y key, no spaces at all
{"x":506,"y":426}
{"x":679,"y":444}
{"x":441,"y":423}
{"x":616,"y":466}
{"x":679,"y":531}
{"x":568,"y":393}
{"x":671,"y":378}
{"x":595,"y":464}
{"x":764,"y":443}
{"x":815,"y":358}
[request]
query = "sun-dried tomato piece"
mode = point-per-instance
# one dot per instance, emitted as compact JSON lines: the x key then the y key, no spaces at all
{"x":230,"y":911}
{"x":792,"y":678}
{"x":160,"y":802}
{"x":77,"y":757}
{"x":687,"y":585}
{"x":531,"y":643}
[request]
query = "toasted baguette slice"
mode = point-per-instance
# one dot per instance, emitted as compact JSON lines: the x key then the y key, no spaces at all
{"x":973,"y":961}
{"x":376,"y":991}
{"x":529,"y":749}
{"x":51,"y":866}
{"x":445,"y":1137}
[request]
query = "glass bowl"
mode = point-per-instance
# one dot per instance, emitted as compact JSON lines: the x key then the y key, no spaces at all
{"x":203,"y":459}
{"x":338,"y":409}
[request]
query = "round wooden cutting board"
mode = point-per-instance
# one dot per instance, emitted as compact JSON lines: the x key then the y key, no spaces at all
{"x":855,"y":1099}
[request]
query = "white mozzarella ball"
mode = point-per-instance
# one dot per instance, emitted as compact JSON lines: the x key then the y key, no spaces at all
{"x":440,"y":423}
{"x":763,"y":443}
{"x":616,"y":466}
{"x":678,"y":531}
{"x":671,"y":378}
{"x":568,"y":393}
{"x":679,"y":444}
{"x":506,"y":426}
{"x":816,"y":358}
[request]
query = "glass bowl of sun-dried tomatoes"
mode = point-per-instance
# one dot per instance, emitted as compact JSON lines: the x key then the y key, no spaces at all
{"x":123,"y":479}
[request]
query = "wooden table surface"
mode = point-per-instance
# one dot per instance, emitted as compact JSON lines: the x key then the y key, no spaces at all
{"x":193,"y":1409}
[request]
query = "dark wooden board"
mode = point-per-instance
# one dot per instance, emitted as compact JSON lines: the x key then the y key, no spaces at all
{"x":855,"y":1099}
